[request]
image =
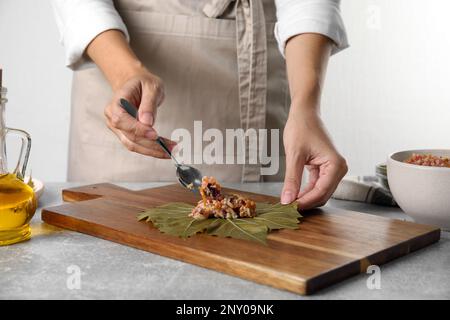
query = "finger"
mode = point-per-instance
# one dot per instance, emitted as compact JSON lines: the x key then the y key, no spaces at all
{"x":138,"y":148}
{"x":169,"y":143}
{"x":149,"y":143}
{"x":121,"y":120}
{"x":292,"y":178}
{"x":329,"y":177}
{"x":152,"y":97}
{"x":312,"y":179}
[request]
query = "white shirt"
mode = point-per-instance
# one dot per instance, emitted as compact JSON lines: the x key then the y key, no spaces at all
{"x":80,"y":21}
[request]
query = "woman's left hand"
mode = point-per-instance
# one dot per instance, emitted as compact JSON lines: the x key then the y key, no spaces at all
{"x":307,"y":144}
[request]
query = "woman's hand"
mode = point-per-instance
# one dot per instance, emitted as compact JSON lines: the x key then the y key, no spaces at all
{"x":307,"y":144}
{"x":130,"y":80}
{"x":146,"y":91}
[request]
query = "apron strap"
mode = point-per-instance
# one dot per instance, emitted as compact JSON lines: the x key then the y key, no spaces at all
{"x":251,"y":45}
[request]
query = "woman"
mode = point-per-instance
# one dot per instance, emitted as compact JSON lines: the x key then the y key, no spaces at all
{"x":216,"y":61}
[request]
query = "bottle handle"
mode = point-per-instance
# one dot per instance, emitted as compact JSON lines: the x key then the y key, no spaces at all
{"x":24,"y":151}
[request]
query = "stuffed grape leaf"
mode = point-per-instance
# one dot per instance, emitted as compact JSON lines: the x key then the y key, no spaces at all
{"x":173,"y":219}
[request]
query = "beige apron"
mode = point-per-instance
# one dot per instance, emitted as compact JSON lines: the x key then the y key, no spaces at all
{"x":219,"y":63}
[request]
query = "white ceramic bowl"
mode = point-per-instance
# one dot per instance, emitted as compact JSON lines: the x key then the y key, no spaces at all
{"x":422,"y":192}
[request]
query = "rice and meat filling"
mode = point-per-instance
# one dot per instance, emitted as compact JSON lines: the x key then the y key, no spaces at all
{"x":215,"y":204}
{"x":428,"y":160}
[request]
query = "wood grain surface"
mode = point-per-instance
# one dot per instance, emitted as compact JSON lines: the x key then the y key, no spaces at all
{"x":331,"y":244}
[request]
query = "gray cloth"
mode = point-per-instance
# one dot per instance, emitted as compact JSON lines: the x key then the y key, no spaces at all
{"x":364,"y":189}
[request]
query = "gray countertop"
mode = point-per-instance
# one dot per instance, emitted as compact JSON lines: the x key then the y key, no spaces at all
{"x":47,"y":267}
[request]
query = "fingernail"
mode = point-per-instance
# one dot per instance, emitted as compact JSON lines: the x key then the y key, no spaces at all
{"x":146,"y":118}
{"x":287,"y":197}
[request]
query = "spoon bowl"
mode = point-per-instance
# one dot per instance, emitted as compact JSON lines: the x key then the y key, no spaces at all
{"x":189,"y":177}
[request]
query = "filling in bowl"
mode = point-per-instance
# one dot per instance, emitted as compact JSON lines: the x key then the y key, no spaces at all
{"x":428,"y":160}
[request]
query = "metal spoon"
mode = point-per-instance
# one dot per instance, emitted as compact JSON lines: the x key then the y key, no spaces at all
{"x":189,"y":177}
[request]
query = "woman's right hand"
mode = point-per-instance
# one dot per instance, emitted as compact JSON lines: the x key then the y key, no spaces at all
{"x":130,"y":80}
{"x":146,"y":91}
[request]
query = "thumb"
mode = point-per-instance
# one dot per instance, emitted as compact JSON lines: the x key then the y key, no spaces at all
{"x":292,"y":179}
{"x":152,"y":97}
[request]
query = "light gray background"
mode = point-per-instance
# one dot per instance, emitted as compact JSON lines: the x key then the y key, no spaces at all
{"x":389,"y":91}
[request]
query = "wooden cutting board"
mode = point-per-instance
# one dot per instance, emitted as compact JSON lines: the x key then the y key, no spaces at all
{"x":331,"y":244}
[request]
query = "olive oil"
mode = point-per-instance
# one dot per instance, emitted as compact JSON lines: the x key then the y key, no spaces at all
{"x":17,"y":200}
{"x":17,"y":206}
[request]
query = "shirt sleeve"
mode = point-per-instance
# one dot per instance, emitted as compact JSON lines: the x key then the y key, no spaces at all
{"x":79,"y":22}
{"x":310,"y":16}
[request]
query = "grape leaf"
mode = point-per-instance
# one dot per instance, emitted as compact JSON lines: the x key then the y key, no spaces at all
{"x":173,"y":219}
{"x":240,"y":228}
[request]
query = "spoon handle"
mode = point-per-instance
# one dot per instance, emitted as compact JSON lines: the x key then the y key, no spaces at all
{"x":163,"y":145}
{"x":129,"y":108}
{"x":132,"y":111}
